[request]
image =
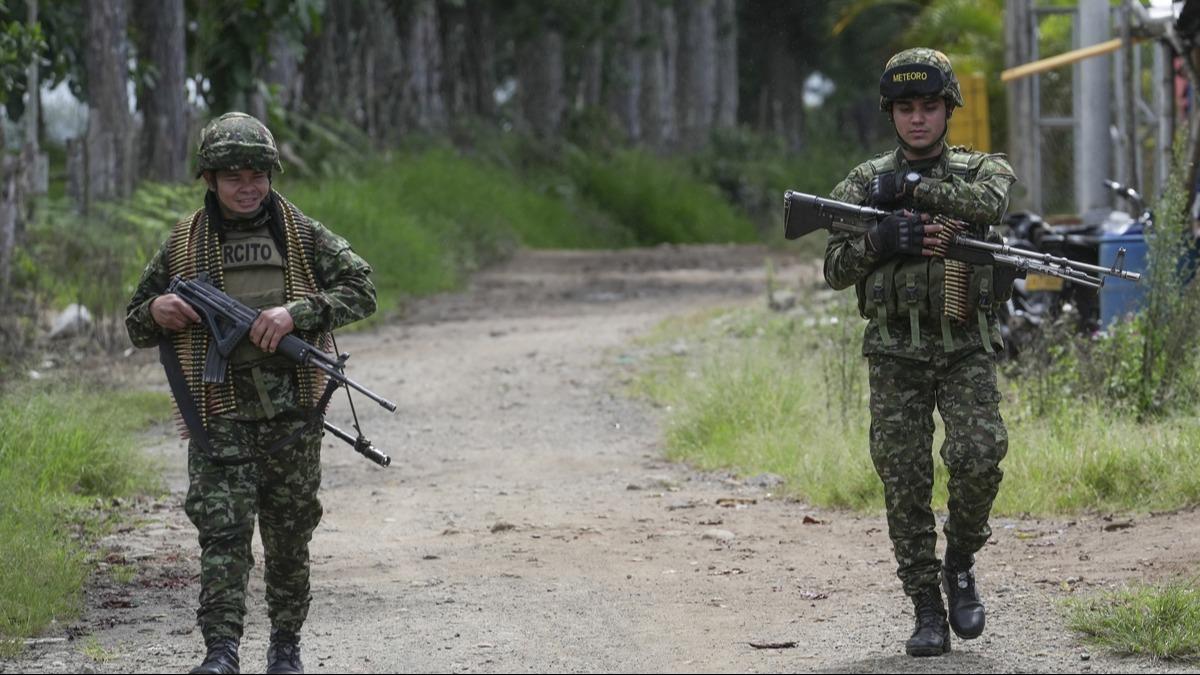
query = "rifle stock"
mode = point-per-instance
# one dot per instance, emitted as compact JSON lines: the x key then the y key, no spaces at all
{"x":804,"y":214}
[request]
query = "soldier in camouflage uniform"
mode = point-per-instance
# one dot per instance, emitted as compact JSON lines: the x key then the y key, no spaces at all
{"x":918,"y":357}
{"x":262,"y":455}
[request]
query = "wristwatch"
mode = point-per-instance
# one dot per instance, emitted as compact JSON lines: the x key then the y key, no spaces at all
{"x":911,"y":180}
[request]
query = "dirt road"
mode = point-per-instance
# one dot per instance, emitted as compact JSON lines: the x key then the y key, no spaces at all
{"x":529,"y":524}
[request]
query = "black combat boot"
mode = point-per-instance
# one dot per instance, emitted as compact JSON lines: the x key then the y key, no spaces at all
{"x":222,"y":657}
{"x":930,"y":637}
{"x":966,"y":611}
{"x":283,"y":656}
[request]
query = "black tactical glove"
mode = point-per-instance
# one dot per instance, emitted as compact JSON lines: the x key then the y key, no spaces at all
{"x":899,"y":232}
{"x":888,"y":189}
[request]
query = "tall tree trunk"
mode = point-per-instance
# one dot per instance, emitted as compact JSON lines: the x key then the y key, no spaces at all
{"x":164,"y":152}
{"x":14,"y":172}
{"x":540,"y":82}
{"x":109,"y":150}
{"x":696,"y":94}
{"x":382,"y":60}
{"x":283,"y":69}
{"x":591,"y":80}
{"x":727,"y":64}
{"x":481,"y":54}
{"x":353,"y":50}
{"x":783,"y":103}
{"x":422,"y":93}
{"x":33,"y":85}
{"x":457,"y":88}
{"x":658,"y":93}
{"x":330,"y":74}
{"x":8,"y":222}
{"x":468,"y":41}
{"x":623,"y":94}
{"x":319,"y":71}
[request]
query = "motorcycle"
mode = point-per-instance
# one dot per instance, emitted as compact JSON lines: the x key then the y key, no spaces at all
{"x":1039,"y":301}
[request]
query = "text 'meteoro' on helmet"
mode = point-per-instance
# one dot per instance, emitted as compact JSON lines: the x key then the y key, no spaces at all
{"x":919,"y":72}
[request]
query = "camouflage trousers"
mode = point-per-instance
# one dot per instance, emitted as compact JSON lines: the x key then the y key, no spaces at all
{"x":222,"y":502}
{"x":903,"y":395}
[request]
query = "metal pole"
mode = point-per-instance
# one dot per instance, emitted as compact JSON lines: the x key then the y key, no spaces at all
{"x":1166,"y":115}
{"x":1131,"y":91}
{"x":1094,"y":98}
{"x":1022,"y":136}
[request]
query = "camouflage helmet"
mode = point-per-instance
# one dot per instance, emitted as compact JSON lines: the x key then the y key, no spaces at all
{"x":236,"y":141}
{"x":918,"y":73}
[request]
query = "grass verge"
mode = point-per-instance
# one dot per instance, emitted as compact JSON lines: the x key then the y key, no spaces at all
{"x":752,"y":391}
{"x":1161,"y":622}
{"x":63,"y":449}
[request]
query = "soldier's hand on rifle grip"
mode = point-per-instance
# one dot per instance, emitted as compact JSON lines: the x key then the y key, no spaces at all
{"x":171,"y":312}
{"x":270,"y":327}
{"x":903,"y":232}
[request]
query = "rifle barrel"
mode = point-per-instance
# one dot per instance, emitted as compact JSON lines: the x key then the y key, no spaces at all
{"x":1048,"y":259}
{"x":338,"y":375}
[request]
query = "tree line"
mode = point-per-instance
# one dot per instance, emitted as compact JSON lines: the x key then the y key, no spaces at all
{"x":662,"y":74}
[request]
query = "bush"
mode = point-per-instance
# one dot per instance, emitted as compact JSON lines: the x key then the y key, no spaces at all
{"x":753,"y":171}
{"x":1148,"y":366}
{"x":425,"y":222}
{"x":658,"y":200}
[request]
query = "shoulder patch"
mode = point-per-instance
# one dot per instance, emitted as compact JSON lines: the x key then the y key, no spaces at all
{"x":882,"y":163}
{"x":962,"y":160}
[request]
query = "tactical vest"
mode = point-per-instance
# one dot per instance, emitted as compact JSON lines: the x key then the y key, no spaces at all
{"x":253,"y":269}
{"x":194,"y":247}
{"x":914,"y":288}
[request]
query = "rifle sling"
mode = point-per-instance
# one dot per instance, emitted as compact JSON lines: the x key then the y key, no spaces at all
{"x":195,"y":425}
{"x":183,"y":396}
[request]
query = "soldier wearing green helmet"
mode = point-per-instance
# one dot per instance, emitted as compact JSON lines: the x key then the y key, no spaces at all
{"x":236,"y":141}
{"x":263,"y":424}
{"x":920,"y":355}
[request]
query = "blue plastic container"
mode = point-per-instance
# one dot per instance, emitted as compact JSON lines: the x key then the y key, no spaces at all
{"x":1119,"y":297}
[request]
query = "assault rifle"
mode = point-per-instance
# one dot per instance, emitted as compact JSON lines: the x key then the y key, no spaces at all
{"x":805,"y":213}
{"x":228,"y":321}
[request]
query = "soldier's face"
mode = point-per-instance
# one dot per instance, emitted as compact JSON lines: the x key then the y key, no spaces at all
{"x":241,"y":192}
{"x":920,"y":122}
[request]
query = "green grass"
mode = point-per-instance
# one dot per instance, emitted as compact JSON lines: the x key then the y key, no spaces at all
{"x":426,"y":220}
{"x":1161,"y":622}
{"x":123,"y":574}
{"x":760,"y":392}
{"x":62,"y":448}
{"x":658,"y":200}
{"x":95,"y":651}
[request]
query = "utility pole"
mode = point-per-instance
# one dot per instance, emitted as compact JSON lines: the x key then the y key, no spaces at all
{"x":1093,"y":106}
{"x":1022,"y":133}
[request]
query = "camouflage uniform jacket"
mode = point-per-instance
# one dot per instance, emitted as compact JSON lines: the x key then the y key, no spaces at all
{"x":347,"y":295}
{"x":980,"y":198}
